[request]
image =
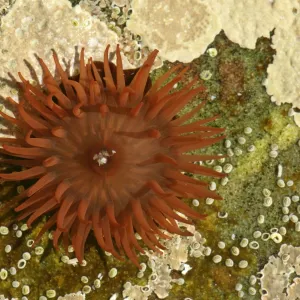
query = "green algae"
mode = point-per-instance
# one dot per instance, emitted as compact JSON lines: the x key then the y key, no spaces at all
{"x":236,"y":93}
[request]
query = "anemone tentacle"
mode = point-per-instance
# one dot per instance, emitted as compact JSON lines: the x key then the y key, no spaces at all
{"x":108,"y":155}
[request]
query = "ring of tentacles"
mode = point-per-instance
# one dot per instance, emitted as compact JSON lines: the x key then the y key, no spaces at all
{"x":108,"y":155}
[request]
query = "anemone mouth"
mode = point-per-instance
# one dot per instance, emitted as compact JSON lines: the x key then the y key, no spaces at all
{"x":109,"y":156}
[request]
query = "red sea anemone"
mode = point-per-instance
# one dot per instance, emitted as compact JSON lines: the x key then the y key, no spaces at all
{"x":108,"y":155}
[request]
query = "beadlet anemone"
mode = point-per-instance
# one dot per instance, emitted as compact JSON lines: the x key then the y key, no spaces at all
{"x":108,"y":155}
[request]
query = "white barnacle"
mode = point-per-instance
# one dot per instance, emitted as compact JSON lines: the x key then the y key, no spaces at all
{"x":51,"y":293}
{"x":295,"y":198}
{"x":266,"y":192}
{"x":3,"y":274}
{"x":248,"y":130}
{"x":13,"y":271}
{"x":251,"y":148}
{"x":282,"y":230}
{"x":86,"y":289}
{"x":241,"y":140}
{"x":224,"y":181}
{"x":97,"y":283}
{"x":207,"y":251}
{"x":25,"y":289}
{"x":244,"y":242}
{"x":217,"y":259}
{"x":228,"y":168}
{"x":209,"y":201}
{"x":227,"y":143}
{"x":243,"y":264}
{"x":260,"y":219}
{"x":290,"y":183}
{"x":84,"y":279}
{"x":39,"y":250}
{"x":293,"y":218}
{"x":221,"y":245}
{"x":65,"y":259}
{"x":254,"y":245}
{"x":238,"y":151}
{"x":252,"y":291}
{"x":229,"y":262}
{"x":235,"y":250}
{"x":195,"y":202}
{"x":26,"y":255}
{"x":265,"y":236}
{"x":218,"y":168}
{"x":230,"y":153}
{"x":21,"y":263}
{"x":212,"y":52}
{"x":15,"y":284}
{"x":7,"y":248}
{"x":4,"y":230}
{"x":222,"y":215}
{"x":297,"y":226}
{"x":205,"y":75}
{"x":273,"y":154}
{"x":212,"y":186}
{"x":252,"y":279}
{"x":29,"y":243}
{"x":257,"y":234}
{"x":285,"y":210}
{"x":112,"y":272}
{"x":24,"y":227}
{"x":281,"y":183}
{"x":276,"y":237}
{"x":285,"y":218}
{"x":268,"y":201}
{"x":238,"y":287}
